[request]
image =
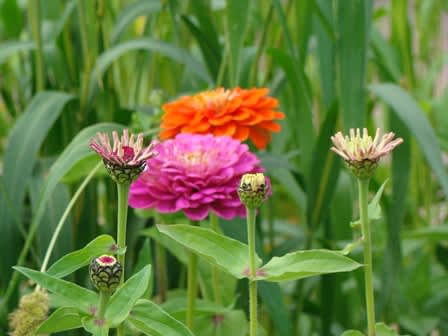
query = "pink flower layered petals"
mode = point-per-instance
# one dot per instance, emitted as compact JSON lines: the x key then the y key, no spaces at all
{"x":357,"y":147}
{"x":127,"y":151}
{"x":195,"y":174}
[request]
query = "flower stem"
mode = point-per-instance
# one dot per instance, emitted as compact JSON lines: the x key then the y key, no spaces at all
{"x":123,"y":191}
{"x":252,"y":271}
{"x":191,"y":289}
{"x":103,"y":299}
{"x":215,"y":273}
{"x":34,"y":14}
{"x":363,"y":187}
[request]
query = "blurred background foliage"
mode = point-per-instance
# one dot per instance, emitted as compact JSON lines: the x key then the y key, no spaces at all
{"x":69,"y":68}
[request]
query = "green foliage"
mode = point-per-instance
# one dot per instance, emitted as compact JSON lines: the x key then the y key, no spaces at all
{"x":72,"y":68}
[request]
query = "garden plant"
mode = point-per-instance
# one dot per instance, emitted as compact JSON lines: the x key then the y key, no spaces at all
{"x":223,"y":167}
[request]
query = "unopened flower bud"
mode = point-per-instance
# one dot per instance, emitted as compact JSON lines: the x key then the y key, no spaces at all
{"x":253,"y":190}
{"x":105,"y":273}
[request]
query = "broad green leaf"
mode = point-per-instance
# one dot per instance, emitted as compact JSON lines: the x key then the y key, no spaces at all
{"x":408,"y":111}
{"x":324,"y":172}
{"x":233,"y":322}
{"x":121,"y":303}
{"x":24,"y":142}
{"x":436,"y":233}
{"x":302,"y":264}
{"x":383,"y":330}
{"x":228,"y":254}
{"x":152,"y":320}
{"x":8,"y":49}
{"x":237,"y":19}
{"x":352,"y":47}
{"x":73,"y":261}
{"x":77,"y":296}
{"x":128,"y":15}
{"x":352,"y":333}
{"x":62,"y":319}
{"x":166,"y":49}
{"x":95,"y":327}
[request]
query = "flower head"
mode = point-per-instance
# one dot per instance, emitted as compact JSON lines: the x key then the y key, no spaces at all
{"x":33,"y":310}
{"x":195,"y":174}
{"x":253,"y":190}
{"x":238,"y":113}
{"x":362,"y":153}
{"x":126,"y":159}
{"x":105,"y":273}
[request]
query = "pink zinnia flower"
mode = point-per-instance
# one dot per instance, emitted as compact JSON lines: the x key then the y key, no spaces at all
{"x":195,"y":174}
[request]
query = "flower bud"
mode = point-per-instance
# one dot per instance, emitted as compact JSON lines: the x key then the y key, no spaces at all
{"x":252,"y":190}
{"x":105,"y":273}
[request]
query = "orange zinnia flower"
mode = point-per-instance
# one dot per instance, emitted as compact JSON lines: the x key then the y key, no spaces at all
{"x":238,"y":113}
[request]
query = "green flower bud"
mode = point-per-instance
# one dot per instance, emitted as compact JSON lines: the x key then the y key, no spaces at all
{"x":252,"y":190}
{"x":105,"y":273}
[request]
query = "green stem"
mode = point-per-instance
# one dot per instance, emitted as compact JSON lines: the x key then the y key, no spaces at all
{"x":123,"y":191}
{"x":215,"y":273}
{"x":102,"y":303}
{"x":34,"y":17}
{"x":363,"y":187}
{"x":191,"y":289}
{"x":251,"y":213}
{"x":162,"y":272}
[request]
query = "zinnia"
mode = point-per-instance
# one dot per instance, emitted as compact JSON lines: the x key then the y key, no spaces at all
{"x":195,"y":173}
{"x":238,"y":113}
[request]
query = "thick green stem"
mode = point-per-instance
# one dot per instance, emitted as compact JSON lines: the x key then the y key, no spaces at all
{"x":215,"y":273}
{"x":102,"y":304}
{"x":251,"y":213}
{"x":363,"y":188}
{"x":123,"y":191}
{"x":191,"y":289}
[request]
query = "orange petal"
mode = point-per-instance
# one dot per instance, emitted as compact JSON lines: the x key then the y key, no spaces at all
{"x":241,"y":133}
{"x":227,"y":129}
{"x":259,"y":137}
{"x":270,"y":125}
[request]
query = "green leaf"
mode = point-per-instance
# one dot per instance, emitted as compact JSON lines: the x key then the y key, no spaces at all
{"x":383,"y":330}
{"x":228,"y":254}
{"x":166,"y":49}
{"x":71,"y":262}
{"x":408,"y":111}
{"x":237,"y":19}
{"x":152,"y":320}
{"x":8,"y":49}
{"x":374,"y":208}
{"x":233,"y":322}
{"x":128,"y":15}
{"x":436,"y":233}
{"x":95,"y":327}
{"x":77,"y":296}
{"x":121,"y":303}
{"x":352,"y":46}
{"x":303,"y":264}
{"x":62,"y":319}
{"x":24,"y":142}
{"x":352,"y":333}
